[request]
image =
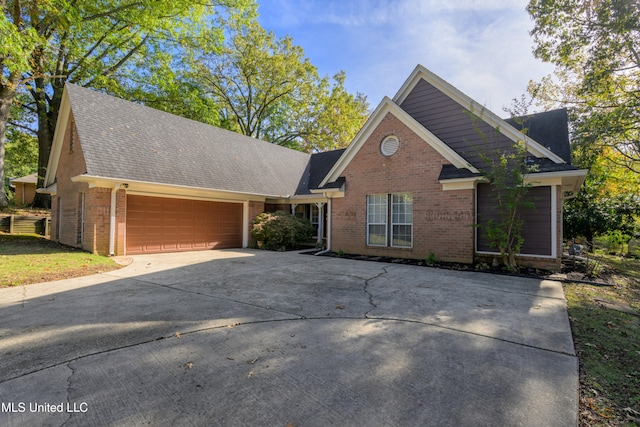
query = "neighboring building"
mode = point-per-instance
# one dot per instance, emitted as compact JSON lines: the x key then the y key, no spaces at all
{"x":127,"y":179}
{"x":25,"y":189}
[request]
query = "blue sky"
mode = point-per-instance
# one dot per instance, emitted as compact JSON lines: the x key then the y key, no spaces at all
{"x":482,"y":47}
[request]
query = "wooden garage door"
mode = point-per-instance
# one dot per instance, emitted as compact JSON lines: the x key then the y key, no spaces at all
{"x":157,"y":224}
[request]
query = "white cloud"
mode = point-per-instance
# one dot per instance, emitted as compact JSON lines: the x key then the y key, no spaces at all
{"x":480,"y":46}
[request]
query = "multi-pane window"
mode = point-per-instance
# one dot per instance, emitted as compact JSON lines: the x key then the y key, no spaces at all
{"x":401,"y":220}
{"x":377,"y":213}
{"x":400,"y":234}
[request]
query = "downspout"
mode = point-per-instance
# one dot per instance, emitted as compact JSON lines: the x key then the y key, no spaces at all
{"x":329,"y":204}
{"x":112,"y":220}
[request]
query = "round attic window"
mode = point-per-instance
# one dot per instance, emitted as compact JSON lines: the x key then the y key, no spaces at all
{"x":390,"y":145}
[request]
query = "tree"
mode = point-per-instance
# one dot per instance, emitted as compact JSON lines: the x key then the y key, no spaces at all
{"x":266,"y":88}
{"x":505,"y":172}
{"x":105,"y":45}
{"x":608,"y":201}
{"x":21,"y":154}
{"x":596,"y":48}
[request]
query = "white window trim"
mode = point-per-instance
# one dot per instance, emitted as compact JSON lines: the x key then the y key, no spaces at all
{"x":400,"y":223}
{"x":386,"y":222}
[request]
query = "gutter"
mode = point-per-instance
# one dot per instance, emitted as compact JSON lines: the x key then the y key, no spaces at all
{"x":112,"y":220}
{"x":329,"y":209}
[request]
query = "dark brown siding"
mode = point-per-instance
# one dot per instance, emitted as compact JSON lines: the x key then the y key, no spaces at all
{"x":536,"y":230}
{"x":157,"y":224}
{"x":453,"y":124}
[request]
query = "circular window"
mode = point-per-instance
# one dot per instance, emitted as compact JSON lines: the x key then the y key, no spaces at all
{"x":390,"y":145}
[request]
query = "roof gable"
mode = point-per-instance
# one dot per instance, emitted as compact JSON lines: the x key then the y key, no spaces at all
{"x":128,"y":141}
{"x":436,"y":105}
{"x":387,"y":106}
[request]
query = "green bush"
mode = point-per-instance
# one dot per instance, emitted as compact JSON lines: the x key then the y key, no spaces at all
{"x":615,"y":241}
{"x":279,"y":231}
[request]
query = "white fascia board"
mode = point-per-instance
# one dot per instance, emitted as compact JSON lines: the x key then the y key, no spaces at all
{"x":58,"y":139}
{"x":51,"y":189}
{"x":570,"y":181}
{"x":388,"y":106}
{"x":461,"y":183}
{"x":308,"y":198}
{"x":171,"y":190}
{"x":420,"y":72}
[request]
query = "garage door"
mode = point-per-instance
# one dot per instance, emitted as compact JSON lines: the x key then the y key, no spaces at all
{"x":169,"y":225}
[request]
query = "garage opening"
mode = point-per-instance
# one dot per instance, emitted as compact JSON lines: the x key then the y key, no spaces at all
{"x":156,"y":224}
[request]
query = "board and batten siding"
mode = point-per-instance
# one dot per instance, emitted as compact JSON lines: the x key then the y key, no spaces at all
{"x":537,"y":229}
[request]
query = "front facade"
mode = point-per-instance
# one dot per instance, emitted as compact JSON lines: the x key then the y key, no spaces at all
{"x":126,"y":179}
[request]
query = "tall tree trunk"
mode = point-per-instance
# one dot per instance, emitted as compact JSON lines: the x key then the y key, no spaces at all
{"x":7,"y":94}
{"x":45,"y":140}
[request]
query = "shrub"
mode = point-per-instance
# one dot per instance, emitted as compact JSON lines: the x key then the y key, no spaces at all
{"x":615,"y":241}
{"x":279,"y":231}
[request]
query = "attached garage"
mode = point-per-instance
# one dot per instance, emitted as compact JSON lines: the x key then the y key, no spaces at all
{"x":156,"y":224}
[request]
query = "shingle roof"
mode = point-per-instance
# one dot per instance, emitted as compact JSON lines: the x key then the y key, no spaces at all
{"x":29,"y":179}
{"x":549,"y":129}
{"x":319,"y":165}
{"x":125,"y":140}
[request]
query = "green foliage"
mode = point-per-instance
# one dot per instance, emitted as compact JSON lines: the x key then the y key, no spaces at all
{"x":595,"y":46}
{"x":596,"y":212}
{"x":21,"y":154}
{"x":505,"y":172}
{"x":129,"y":49}
{"x":266,"y":88}
{"x":482,"y":266}
{"x":280,"y":230}
{"x":615,"y":242}
{"x":431,"y":259}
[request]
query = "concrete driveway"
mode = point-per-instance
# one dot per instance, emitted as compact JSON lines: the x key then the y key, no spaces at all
{"x":255,"y":338}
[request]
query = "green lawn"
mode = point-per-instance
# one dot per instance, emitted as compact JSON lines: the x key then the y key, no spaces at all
{"x":605,"y":321}
{"x":26,"y":259}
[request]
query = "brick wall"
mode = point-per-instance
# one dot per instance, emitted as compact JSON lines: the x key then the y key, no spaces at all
{"x":67,"y":225}
{"x":65,"y":212}
{"x":442,"y":220}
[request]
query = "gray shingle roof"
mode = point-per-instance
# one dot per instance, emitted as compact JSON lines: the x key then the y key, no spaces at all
{"x":549,"y":129}
{"x":128,"y":141}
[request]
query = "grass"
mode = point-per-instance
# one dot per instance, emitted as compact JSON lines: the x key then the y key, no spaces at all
{"x":26,"y":259}
{"x":605,"y":321}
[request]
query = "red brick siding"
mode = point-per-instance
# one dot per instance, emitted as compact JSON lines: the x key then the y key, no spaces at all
{"x":65,"y":207}
{"x":442,"y":220}
{"x":97,"y":205}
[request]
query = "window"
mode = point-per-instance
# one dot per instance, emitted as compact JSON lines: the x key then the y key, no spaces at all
{"x":377,"y":220}
{"x":401,"y":220}
{"x":400,"y":234}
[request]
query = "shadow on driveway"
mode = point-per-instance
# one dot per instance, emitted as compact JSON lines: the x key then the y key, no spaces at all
{"x":261,"y":338}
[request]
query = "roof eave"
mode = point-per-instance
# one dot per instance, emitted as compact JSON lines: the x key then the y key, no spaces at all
{"x":420,"y":72}
{"x":387,"y":105}
{"x":171,"y":190}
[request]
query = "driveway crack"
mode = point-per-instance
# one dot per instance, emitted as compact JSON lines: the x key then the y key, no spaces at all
{"x":369,"y":294}
{"x":73,"y":372}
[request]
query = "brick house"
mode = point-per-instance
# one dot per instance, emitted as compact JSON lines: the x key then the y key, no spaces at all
{"x":127,"y":179}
